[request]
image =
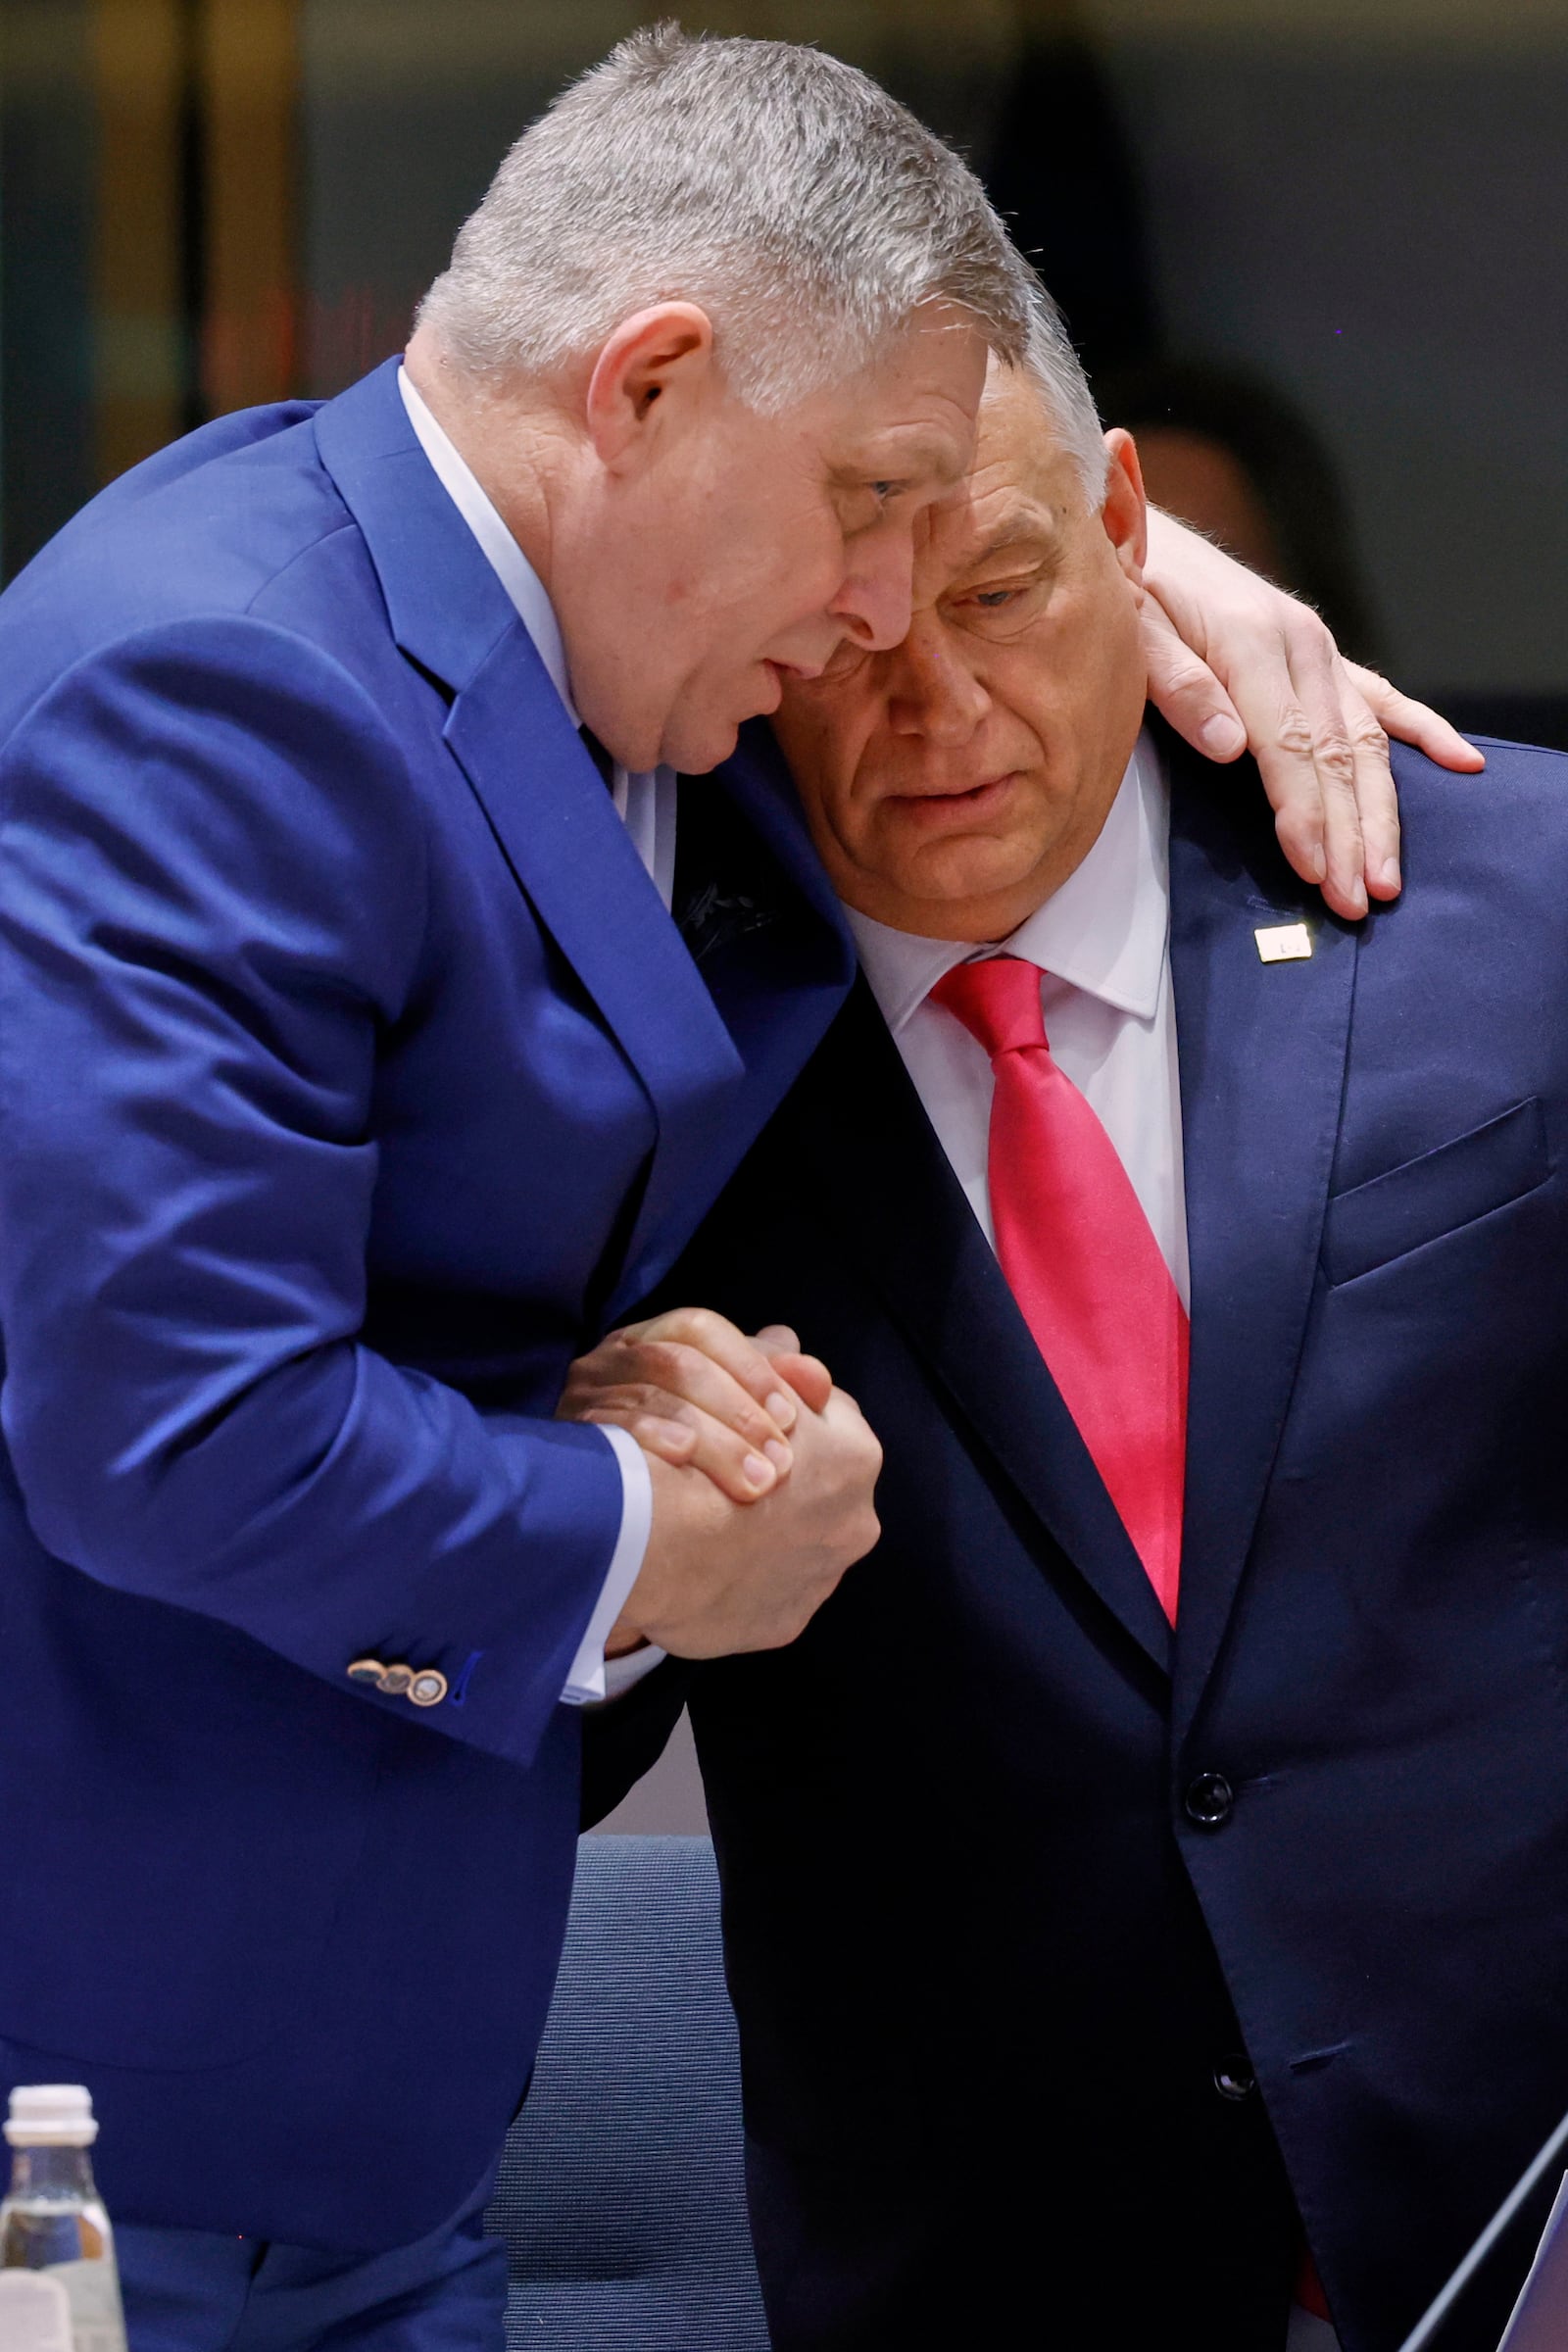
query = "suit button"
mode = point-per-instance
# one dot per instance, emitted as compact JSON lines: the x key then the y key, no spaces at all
{"x":1234,"y":2078}
{"x":1209,"y":1799}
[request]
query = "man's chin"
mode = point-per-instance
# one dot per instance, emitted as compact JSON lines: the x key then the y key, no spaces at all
{"x":959,"y":876}
{"x":695,"y":749}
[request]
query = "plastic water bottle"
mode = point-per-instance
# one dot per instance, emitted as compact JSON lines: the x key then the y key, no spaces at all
{"x":58,"y":2287}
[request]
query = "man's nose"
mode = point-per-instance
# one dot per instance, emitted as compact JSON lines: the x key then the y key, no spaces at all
{"x":876,"y":599}
{"x":930,"y":691}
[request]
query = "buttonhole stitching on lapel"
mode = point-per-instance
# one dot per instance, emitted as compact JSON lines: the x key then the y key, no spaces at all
{"x":1310,"y":2060}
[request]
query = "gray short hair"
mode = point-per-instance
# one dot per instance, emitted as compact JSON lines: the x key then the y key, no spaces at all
{"x":808,"y":212}
{"x":1056,"y":372}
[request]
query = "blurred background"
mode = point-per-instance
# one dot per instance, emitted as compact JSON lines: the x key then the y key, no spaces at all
{"x":1316,"y":251}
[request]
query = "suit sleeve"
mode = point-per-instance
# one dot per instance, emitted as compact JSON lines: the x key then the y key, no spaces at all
{"x":211,"y":901}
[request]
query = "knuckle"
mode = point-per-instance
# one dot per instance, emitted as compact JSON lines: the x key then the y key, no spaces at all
{"x":1303,"y":631}
{"x":1293,"y":732}
{"x":1185,"y":672}
{"x":1333,"y":757}
{"x":1368,"y":736}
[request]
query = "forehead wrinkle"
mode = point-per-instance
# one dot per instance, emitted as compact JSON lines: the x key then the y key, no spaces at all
{"x":1023,"y":525}
{"x":1016,"y":441}
{"x":915,"y":447}
{"x":1019,"y":526}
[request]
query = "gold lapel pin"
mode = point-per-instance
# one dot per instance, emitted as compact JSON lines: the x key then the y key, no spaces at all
{"x":1283,"y":942}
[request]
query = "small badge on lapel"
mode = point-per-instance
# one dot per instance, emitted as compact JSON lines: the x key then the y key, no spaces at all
{"x":1283,"y":942}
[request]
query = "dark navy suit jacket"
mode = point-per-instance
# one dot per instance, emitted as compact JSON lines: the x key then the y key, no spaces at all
{"x":352,"y":1075}
{"x":1074,"y":1961}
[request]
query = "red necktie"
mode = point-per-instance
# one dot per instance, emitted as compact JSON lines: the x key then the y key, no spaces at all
{"x":1083,"y":1263}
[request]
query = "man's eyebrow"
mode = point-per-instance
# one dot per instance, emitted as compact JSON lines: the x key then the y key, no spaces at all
{"x":907,"y":454}
{"x":1023,"y":527}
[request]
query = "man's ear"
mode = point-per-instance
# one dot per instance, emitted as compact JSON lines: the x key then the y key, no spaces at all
{"x":657,"y":361}
{"x":1125,"y":512}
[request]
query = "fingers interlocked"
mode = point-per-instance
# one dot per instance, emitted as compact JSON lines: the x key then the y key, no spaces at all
{"x":696,"y":1391}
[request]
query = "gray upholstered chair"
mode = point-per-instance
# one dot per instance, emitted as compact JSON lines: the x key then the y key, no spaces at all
{"x":620,"y":2195}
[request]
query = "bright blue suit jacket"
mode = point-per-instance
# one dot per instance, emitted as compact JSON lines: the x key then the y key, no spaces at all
{"x":351,"y":1078}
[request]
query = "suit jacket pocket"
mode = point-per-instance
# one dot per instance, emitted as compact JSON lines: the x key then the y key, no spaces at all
{"x":1425,"y":1199}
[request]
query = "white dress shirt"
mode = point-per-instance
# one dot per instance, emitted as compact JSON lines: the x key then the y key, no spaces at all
{"x":647,"y":806}
{"x":1102,"y":945}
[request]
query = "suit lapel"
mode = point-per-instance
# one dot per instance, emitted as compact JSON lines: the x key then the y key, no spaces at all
{"x":1262,"y":1051}
{"x":575,"y":858}
{"x":544,"y":799}
{"x":878,"y":1169}
{"x":764,"y":937}
{"x":445,"y":605}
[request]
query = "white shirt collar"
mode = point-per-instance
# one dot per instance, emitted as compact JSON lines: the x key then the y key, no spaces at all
{"x":1104,"y":931}
{"x":506,"y":558}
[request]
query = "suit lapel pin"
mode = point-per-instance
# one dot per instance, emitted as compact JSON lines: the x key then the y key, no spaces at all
{"x":1283,"y":942}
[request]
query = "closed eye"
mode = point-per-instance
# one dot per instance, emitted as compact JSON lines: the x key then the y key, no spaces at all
{"x":865,"y":505}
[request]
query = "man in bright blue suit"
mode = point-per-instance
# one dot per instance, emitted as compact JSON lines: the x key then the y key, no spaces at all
{"x":353,"y":1075}
{"x":354,"y":1078}
{"x":1119,"y":1962}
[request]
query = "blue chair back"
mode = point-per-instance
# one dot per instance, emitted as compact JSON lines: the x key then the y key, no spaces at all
{"x":620,"y":2195}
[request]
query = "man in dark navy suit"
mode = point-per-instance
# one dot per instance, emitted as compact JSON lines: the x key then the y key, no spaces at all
{"x":1146,"y":1880}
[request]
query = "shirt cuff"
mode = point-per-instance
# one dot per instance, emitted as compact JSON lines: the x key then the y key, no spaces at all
{"x":621,"y":1673}
{"x":586,"y":1680}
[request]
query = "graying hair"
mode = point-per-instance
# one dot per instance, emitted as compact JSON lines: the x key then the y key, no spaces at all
{"x":803,"y":209}
{"x":1056,"y":372}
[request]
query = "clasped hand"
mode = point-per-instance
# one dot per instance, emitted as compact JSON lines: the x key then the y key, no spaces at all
{"x":762,"y":1474}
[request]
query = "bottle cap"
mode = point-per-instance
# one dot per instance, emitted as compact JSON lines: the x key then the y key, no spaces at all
{"x":51,"y":2115}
